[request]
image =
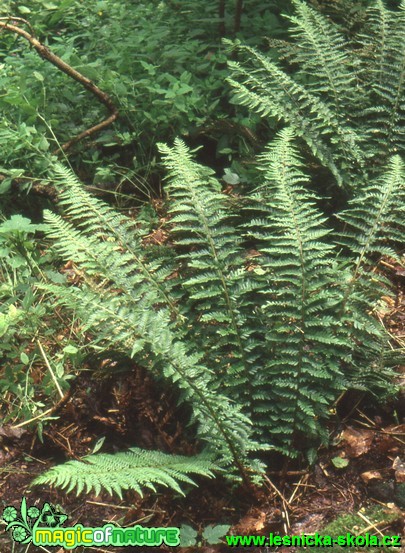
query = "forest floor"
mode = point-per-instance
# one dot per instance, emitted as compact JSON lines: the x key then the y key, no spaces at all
{"x":357,"y":485}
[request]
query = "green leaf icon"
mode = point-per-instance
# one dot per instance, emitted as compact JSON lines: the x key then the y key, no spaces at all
{"x":188,"y":536}
{"x":213,"y":534}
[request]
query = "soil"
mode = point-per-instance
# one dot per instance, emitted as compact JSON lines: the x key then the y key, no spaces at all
{"x":116,"y":401}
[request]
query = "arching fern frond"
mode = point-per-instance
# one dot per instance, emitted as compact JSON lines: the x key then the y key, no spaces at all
{"x":323,"y":54}
{"x":263,"y":86}
{"x":214,"y":284}
{"x":109,"y":238}
{"x":344,"y":98}
{"x":122,"y":304}
{"x":135,"y":469}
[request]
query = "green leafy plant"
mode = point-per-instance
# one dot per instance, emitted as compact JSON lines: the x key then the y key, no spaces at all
{"x":211,"y":535}
{"x":134,"y":469}
{"x":162,"y":63}
{"x":26,"y":319}
{"x":257,"y":312}
{"x":344,"y":97}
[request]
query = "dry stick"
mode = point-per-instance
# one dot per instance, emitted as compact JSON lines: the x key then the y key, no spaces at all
{"x":48,"y":55}
{"x":281,"y":496}
{"x":50,"y":369}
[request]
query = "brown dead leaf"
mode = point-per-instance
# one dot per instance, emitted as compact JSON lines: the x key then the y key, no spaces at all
{"x":251,"y":524}
{"x":371,"y":475}
{"x":357,"y":441}
{"x":399,"y":466}
{"x":11,"y":432}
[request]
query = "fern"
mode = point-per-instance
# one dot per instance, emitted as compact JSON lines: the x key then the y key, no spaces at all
{"x":123,"y":302}
{"x":214,"y":284}
{"x":386,"y":76}
{"x":134,"y":469}
{"x":104,"y":233}
{"x":322,"y":54}
{"x":345,"y":100}
{"x":264,"y":87}
{"x":377,"y":212}
{"x":259,"y":347}
{"x":301,"y":376}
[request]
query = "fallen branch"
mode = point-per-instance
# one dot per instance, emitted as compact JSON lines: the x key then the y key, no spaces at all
{"x":46,"y":54}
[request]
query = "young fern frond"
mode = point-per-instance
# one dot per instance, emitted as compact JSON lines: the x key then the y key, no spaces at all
{"x":135,"y":469}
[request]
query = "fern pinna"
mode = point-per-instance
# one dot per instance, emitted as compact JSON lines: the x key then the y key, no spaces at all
{"x":259,"y":346}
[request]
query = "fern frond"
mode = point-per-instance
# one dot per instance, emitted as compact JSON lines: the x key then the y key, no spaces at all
{"x":375,"y":215}
{"x":110,"y":237}
{"x":385,"y":68}
{"x":377,"y":211}
{"x":123,"y":304}
{"x":214,"y":284}
{"x":344,"y":98}
{"x":264,"y":87}
{"x":146,"y":333}
{"x":323,"y":54}
{"x":135,"y":469}
{"x":298,"y":304}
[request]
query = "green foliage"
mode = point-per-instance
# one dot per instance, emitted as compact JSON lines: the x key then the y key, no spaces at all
{"x":131,"y":470}
{"x":25,"y":318}
{"x":355,"y":524}
{"x":299,"y":297}
{"x":381,"y":204}
{"x":138,"y":312}
{"x":271,"y":339}
{"x":162,"y":63}
{"x":23,"y":152}
{"x":258,"y":310}
{"x":344,"y":97}
{"x":214,"y":288}
{"x":211,"y":535}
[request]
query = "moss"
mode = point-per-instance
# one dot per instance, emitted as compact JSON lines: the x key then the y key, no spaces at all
{"x":354,"y":524}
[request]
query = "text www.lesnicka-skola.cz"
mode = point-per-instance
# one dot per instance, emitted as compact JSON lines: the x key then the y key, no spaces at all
{"x":314,"y":540}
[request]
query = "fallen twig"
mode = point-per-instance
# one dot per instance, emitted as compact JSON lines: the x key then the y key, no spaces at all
{"x":48,"y":55}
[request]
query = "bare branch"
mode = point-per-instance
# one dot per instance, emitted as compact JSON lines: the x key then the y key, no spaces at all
{"x":48,"y":55}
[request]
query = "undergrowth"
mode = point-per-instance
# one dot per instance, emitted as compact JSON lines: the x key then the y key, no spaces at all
{"x":258,"y":308}
{"x":261,"y":344}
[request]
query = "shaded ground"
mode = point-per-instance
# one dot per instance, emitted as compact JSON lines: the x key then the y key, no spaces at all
{"x":293,"y":500}
{"x":363,"y":470}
